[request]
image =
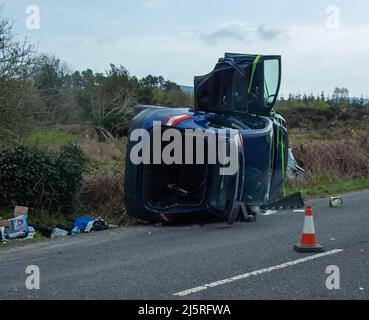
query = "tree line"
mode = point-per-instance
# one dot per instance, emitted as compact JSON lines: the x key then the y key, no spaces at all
{"x":38,"y":89}
{"x":339,"y":98}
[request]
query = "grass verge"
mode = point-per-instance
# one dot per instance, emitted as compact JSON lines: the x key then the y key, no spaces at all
{"x":321,"y":188}
{"x":51,"y":138}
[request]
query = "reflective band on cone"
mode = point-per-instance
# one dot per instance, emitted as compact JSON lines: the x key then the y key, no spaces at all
{"x":308,"y":242}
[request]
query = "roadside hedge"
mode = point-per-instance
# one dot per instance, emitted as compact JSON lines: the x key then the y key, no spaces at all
{"x":41,"y":178}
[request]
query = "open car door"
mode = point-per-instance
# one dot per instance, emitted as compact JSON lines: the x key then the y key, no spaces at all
{"x":226,"y":190}
{"x":240,"y":85}
{"x":272,"y":80}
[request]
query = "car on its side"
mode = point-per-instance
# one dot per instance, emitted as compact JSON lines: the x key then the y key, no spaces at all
{"x":239,"y":94}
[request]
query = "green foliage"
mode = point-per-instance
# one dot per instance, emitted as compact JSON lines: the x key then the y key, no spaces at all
{"x":48,"y":219}
{"x":18,"y":108}
{"x":40,"y":90}
{"x":340,"y":99}
{"x":107,"y":100}
{"x":50,"y":138}
{"x":18,"y":104}
{"x":40,"y":178}
{"x":178,"y":98}
{"x":53,"y":81}
{"x":324,"y":187}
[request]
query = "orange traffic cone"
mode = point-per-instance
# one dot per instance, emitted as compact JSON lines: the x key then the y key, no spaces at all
{"x":308,"y":241}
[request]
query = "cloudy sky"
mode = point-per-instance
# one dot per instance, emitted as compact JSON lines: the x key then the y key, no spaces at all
{"x":323,"y":43}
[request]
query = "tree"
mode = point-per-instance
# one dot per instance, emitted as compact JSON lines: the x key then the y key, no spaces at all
{"x":15,"y":55}
{"x":18,"y":99}
{"x":54,"y":82}
{"x":178,"y":98}
{"x":362,"y":101}
{"x":341,"y":96}
{"x":106,"y":100}
{"x":169,"y":85}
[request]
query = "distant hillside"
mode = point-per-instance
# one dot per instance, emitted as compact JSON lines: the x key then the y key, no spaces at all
{"x":187,"y":89}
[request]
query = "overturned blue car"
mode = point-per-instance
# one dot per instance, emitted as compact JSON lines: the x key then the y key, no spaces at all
{"x":234,"y":109}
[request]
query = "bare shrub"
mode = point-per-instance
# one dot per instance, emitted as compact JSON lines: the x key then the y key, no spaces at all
{"x":103,"y":152}
{"x":103,"y":191}
{"x":363,"y":141}
{"x":103,"y":195}
{"x":335,"y":160}
{"x":111,"y":113}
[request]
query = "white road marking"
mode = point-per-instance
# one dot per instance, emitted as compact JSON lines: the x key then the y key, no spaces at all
{"x":255,"y":273}
{"x":298,"y":211}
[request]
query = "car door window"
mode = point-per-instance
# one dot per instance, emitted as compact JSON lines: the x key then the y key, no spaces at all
{"x":271,"y":80}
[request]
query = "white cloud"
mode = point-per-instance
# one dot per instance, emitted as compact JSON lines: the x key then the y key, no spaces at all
{"x":236,"y":30}
{"x":232,"y":30}
{"x":313,"y":58}
{"x":268,"y":33}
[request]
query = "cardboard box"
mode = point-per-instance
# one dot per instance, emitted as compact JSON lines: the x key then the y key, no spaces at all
{"x":19,"y":223}
{"x":20,"y":211}
{"x":5,"y":223}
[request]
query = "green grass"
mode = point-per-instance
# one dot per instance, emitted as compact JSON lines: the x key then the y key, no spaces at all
{"x":94,"y":169}
{"x":51,"y":138}
{"x":48,"y":219}
{"x":322,"y":187}
{"x":5,"y":213}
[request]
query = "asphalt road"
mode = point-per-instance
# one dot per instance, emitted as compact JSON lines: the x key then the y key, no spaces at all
{"x":159,"y":262}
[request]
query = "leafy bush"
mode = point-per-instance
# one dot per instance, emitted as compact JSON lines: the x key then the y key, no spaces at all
{"x":41,"y":178}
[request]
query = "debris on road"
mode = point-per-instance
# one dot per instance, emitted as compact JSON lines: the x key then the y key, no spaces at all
{"x":87,"y":224}
{"x":57,"y":233}
{"x":20,"y":211}
{"x":335,"y":202}
{"x":18,"y":214}
{"x":4,"y":223}
{"x":268,"y":212}
{"x":16,"y":227}
{"x":294,"y":170}
{"x":292,"y":201}
{"x":31,"y":233}
{"x":19,"y":223}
